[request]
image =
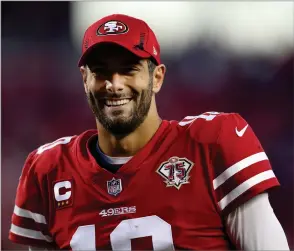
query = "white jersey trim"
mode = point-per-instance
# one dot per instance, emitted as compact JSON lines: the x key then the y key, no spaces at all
{"x":112,"y":160}
{"x":39,"y":218}
{"x":232,"y":170}
{"x":29,"y":233}
{"x":246,"y":185}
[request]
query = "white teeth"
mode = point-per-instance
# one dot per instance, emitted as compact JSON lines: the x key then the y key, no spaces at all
{"x":117,"y":102}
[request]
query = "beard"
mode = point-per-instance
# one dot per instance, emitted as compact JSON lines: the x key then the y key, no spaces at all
{"x":122,"y":126}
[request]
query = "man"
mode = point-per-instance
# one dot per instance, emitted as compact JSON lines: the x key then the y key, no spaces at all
{"x":143,"y":183}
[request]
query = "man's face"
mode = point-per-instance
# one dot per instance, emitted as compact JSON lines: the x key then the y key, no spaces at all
{"x":118,"y":88}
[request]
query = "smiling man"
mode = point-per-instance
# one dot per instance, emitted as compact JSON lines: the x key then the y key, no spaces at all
{"x":138,"y":182}
{"x":119,"y":88}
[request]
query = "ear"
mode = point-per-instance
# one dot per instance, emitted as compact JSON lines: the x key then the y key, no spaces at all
{"x":84,"y":72}
{"x":158,"y":77}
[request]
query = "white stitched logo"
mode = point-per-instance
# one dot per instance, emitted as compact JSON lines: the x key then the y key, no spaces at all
{"x":112,"y":28}
{"x":241,"y":133}
{"x":63,"y":193}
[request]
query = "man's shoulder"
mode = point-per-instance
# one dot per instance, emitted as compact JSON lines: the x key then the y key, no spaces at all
{"x":206,"y":127}
{"x":52,"y":154}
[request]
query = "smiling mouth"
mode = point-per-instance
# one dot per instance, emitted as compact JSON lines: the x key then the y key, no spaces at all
{"x":120,"y":102}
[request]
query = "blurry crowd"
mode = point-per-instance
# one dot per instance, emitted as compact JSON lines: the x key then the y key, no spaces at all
{"x":43,"y":98}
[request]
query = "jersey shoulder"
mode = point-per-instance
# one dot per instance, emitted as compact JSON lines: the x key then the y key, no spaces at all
{"x":47,"y":156}
{"x":206,"y":127}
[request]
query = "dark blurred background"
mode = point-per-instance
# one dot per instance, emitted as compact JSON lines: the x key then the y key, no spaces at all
{"x":216,"y":69}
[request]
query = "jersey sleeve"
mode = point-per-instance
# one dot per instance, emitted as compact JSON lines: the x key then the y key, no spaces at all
{"x":254,"y":226}
{"x":29,"y":224}
{"x":241,"y":167}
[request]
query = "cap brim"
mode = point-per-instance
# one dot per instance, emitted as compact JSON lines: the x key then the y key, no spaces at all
{"x":135,"y":50}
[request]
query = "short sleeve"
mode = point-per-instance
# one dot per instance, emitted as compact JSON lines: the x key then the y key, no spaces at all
{"x":241,"y":167}
{"x":29,"y":224}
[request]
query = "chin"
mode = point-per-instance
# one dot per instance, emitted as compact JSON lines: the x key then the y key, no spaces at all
{"x":121,"y":120}
{"x":121,"y":125}
{"x":119,"y":115}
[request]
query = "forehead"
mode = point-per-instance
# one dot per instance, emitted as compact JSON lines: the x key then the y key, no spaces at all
{"x":111,"y":54}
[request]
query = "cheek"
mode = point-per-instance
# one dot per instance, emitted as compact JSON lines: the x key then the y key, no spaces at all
{"x":93,"y":85}
{"x":144,"y":77}
{"x":141,"y":82}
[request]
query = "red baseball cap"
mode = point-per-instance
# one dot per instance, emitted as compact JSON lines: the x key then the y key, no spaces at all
{"x":131,"y":33}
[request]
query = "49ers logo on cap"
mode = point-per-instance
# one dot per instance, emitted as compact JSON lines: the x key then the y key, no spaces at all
{"x":112,"y":28}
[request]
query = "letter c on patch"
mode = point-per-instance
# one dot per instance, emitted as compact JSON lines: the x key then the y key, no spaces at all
{"x":60,"y":197}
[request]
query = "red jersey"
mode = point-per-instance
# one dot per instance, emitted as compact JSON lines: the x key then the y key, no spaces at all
{"x":173,"y":194}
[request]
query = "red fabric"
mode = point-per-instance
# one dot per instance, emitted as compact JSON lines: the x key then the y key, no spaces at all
{"x":129,"y":32}
{"x":180,"y":206}
{"x":231,"y":149}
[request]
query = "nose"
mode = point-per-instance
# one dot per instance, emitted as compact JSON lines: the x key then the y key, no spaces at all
{"x":115,"y":84}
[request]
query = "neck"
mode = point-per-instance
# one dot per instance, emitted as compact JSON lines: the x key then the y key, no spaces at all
{"x":132,"y":143}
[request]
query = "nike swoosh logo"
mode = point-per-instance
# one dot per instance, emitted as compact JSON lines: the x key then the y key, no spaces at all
{"x":241,"y":133}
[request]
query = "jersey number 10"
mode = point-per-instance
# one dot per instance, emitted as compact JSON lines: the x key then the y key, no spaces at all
{"x":120,"y":238}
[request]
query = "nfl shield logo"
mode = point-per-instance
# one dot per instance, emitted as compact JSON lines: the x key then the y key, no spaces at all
{"x":114,"y":186}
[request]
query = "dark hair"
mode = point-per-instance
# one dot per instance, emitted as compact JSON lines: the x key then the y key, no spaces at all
{"x":151,"y":65}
